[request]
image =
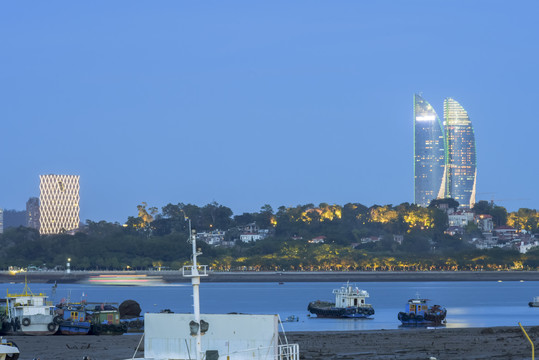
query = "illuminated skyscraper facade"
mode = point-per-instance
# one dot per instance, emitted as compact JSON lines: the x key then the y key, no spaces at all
{"x":58,"y":203}
{"x":429,"y":153}
{"x":460,"y":154}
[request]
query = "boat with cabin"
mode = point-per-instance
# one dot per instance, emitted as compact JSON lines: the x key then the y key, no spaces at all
{"x":27,"y":313}
{"x":75,"y":320}
{"x":534,"y":302}
{"x":419,"y":312}
{"x":105,"y":319}
{"x":349,"y":303}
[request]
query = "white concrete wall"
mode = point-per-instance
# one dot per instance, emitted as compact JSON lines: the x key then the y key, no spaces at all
{"x":167,"y":336}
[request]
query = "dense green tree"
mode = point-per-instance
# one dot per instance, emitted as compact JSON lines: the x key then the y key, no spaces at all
{"x":451,"y":203}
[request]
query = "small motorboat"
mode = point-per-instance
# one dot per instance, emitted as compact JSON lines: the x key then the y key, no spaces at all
{"x":535,"y":302}
{"x":291,"y":318}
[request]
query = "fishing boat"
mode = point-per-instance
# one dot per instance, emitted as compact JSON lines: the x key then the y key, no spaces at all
{"x":534,"y":302}
{"x":419,"y":312}
{"x":200,"y":336}
{"x":29,"y":314}
{"x":349,"y":303}
{"x":75,"y":320}
{"x":105,"y":319}
{"x":8,"y":350}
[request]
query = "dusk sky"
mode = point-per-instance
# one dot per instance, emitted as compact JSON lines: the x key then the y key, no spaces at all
{"x":249,"y":103}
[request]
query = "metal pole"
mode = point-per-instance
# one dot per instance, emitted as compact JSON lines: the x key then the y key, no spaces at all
{"x":195,"y":281}
{"x":531,"y":342}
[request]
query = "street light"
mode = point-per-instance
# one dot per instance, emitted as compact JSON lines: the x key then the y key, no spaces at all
{"x":68,"y":269}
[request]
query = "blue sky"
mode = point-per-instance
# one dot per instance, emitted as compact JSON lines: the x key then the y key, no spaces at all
{"x":247,"y":103}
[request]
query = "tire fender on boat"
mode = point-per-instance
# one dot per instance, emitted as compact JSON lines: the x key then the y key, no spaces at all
{"x":57,"y":320}
{"x":51,"y":327}
{"x":25,"y":321}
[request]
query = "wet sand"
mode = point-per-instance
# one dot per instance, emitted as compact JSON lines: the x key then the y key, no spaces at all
{"x":404,"y":344}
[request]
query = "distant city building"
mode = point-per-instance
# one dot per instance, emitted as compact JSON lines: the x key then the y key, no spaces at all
{"x":484,"y":222}
{"x":215,"y":237}
{"x":444,"y":154}
{"x":248,"y":237}
{"x":429,"y":153}
{"x":317,"y":240}
{"x":32,"y":213}
{"x":14,"y":218}
{"x":460,"y":154}
{"x":58,"y":203}
{"x":1,"y":221}
{"x":460,"y":218}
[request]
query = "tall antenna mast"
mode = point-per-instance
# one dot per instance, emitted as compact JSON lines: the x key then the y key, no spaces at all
{"x":195,"y":272}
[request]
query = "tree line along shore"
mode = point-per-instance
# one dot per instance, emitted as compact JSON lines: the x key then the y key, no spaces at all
{"x":350,"y":237}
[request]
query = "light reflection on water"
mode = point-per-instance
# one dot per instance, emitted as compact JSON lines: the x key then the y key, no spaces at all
{"x":469,"y":304}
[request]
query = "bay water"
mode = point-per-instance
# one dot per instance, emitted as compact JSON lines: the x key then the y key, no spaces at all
{"x":469,"y":304}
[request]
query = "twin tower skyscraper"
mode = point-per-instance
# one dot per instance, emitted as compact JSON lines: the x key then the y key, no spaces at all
{"x":444,"y":154}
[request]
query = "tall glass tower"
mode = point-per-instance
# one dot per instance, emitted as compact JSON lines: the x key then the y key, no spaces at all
{"x":460,"y":154}
{"x":429,"y":154}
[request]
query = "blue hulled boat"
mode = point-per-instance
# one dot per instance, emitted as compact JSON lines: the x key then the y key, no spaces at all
{"x":419,"y":312}
{"x":74,"y":319}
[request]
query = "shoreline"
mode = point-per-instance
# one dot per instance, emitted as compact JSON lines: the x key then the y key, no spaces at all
{"x":506,"y":342}
{"x":285,"y":276}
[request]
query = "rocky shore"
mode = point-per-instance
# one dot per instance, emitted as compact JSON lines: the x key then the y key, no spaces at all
{"x":507,"y":343}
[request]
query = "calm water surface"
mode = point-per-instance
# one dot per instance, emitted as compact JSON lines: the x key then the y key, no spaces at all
{"x":469,"y":304}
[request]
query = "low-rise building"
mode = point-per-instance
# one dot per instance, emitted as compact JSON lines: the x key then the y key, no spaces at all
{"x":454,"y":230}
{"x":371,"y":239}
{"x":460,"y":218}
{"x":317,"y":240}
{"x":215,"y":237}
{"x":484,"y":222}
{"x":399,"y":238}
{"x":248,"y":237}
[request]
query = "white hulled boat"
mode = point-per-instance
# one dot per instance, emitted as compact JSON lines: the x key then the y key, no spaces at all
{"x":8,"y":350}
{"x":29,"y":314}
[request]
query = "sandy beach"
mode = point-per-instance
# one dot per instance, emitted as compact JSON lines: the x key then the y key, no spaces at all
{"x":404,"y":344}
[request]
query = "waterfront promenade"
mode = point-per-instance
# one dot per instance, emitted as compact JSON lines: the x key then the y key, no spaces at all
{"x":285,"y":276}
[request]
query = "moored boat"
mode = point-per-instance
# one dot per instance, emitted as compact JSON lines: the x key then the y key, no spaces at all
{"x":535,"y":302}
{"x":419,"y":312}
{"x":8,"y":350}
{"x":105,"y":319}
{"x":29,"y":314}
{"x":74,"y":319}
{"x":349,"y":303}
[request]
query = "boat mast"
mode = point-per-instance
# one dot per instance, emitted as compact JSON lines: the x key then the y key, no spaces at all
{"x":193,"y":272}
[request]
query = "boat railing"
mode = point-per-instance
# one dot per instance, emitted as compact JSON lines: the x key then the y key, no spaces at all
{"x":288,"y":352}
{"x":284,"y":352}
